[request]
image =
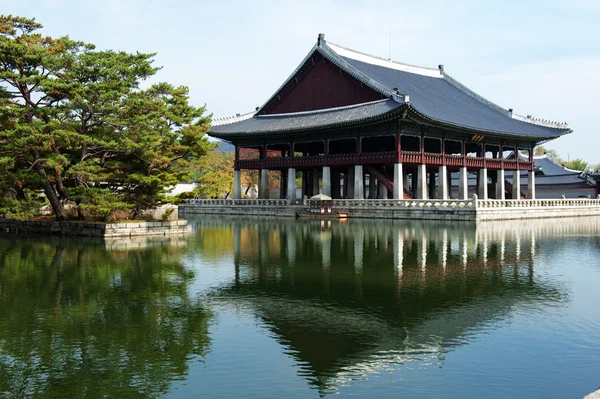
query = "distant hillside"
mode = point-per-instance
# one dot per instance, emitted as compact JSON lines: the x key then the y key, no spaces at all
{"x":225,"y":147}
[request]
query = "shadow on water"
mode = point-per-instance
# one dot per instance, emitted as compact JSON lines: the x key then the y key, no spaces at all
{"x":350,"y":299}
{"x":88,"y":318}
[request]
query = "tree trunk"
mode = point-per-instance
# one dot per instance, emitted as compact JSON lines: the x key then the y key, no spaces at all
{"x":57,"y":206}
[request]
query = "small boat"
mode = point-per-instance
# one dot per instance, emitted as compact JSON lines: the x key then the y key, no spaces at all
{"x":319,"y":207}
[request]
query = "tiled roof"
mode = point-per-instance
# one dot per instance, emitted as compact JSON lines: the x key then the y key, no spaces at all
{"x":550,"y":167}
{"x":437,"y":96}
{"x":428,"y":93}
{"x":301,"y":121}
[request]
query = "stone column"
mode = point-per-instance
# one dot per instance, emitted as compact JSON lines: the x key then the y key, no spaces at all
{"x":443,"y":183}
{"x":326,"y":189}
{"x":399,"y":181}
{"x":516,"y":188}
{"x":349,"y":184}
{"x":432,"y":191}
{"x":405,"y":181}
{"x":482,"y":190}
{"x":291,"y":185}
{"x":421,"y":182}
{"x":372,"y":188}
{"x":450,"y":185}
{"x":531,"y":185}
{"x":263,"y":184}
{"x":359,"y":190}
{"x":500,"y":185}
{"x":463,"y":183}
{"x":315,"y":182}
{"x":383,"y":191}
{"x":237,"y":184}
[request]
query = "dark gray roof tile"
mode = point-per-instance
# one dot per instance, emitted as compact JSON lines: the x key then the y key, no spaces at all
{"x":296,"y":122}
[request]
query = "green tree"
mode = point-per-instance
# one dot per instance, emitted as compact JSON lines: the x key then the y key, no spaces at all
{"x":576,"y":164}
{"x":74,"y":123}
{"x":216,"y":175}
{"x":33,"y":93}
{"x":552,"y":154}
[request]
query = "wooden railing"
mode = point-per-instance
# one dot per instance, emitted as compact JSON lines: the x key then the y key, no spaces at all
{"x":387,"y":157}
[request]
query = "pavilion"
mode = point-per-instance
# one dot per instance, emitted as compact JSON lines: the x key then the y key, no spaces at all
{"x":358,"y":126}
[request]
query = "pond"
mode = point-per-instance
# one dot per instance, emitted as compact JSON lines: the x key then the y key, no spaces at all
{"x":270,"y":308}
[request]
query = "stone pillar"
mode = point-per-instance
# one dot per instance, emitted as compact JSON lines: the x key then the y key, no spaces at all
{"x":482,"y":190}
{"x":326,"y":189}
{"x":359,"y":190}
{"x":399,"y":181}
{"x":383,"y":191}
{"x":291,"y":185}
{"x":531,"y":185}
{"x":263,"y":184}
{"x":463,"y":183}
{"x":432,"y":191}
{"x":405,"y":181}
{"x":500,"y":185}
{"x":315,"y":182}
{"x":516,"y":188}
{"x":237,"y":184}
{"x":421,"y":192}
{"x":349,"y":184}
{"x":450,"y":185}
{"x":372,"y":189}
{"x":443,"y":183}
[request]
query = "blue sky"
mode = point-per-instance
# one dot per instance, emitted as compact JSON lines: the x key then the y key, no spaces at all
{"x":537,"y":57}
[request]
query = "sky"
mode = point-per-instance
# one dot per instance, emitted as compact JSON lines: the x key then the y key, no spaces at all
{"x":541,"y":58}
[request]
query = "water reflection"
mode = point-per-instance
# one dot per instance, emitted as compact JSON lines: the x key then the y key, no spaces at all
{"x":87,"y":318}
{"x":350,"y":299}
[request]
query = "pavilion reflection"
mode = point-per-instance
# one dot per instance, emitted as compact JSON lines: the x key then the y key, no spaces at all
{"x":350,"y":299}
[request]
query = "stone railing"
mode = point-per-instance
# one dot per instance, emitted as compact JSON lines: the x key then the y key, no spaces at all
{"x":567,"y":202}
{"x":407,"y":203}
{"x":238,"y":202}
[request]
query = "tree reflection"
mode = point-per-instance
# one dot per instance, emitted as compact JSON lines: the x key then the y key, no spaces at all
{"x":78,"y":320}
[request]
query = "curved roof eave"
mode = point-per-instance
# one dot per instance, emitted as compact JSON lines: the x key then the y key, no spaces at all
{"x":470,"y":129}
{"x":328,"y":127}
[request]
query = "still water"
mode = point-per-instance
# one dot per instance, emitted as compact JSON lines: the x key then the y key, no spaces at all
{"x":272,"y":308}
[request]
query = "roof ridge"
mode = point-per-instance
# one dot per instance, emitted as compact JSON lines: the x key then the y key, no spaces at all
{"x":538,"y":121}
{"x":324,"y":110}
{"x":232,"y":119}
{"x":365,"y":57}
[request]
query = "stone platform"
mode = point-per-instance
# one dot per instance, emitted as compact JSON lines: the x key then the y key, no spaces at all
{"x":84,"y":229}
{"x":473,"y":209}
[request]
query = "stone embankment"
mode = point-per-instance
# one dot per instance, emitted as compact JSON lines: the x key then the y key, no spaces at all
{"x":453,"y":210}
{"x":84,"y":229}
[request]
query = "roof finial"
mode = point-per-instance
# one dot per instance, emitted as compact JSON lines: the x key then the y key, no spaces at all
{"x":441,"y":68}
{"x":321,"y":38}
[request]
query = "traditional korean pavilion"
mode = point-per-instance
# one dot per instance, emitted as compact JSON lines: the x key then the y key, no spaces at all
{"x":345,"y":118}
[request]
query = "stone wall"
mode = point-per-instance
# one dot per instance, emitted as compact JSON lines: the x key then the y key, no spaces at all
{"x":85,"y":229}
{"x":452,"y":210}
{"x":253,"y":207}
